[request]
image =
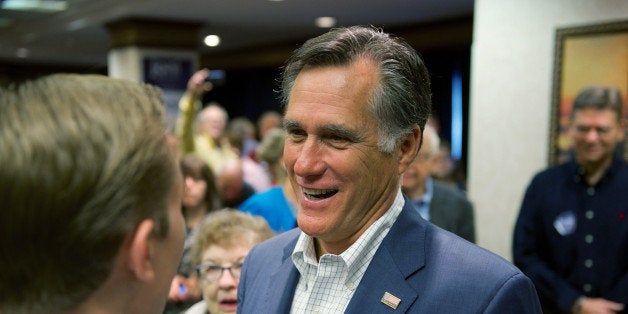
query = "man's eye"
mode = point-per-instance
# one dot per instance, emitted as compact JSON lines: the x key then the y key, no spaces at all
{"x":297,"y":135}
{"x":340,"y":142}
{"x":338,"y":139}
{"x":587,"y":129}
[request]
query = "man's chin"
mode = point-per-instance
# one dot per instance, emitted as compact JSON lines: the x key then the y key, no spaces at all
{"x":592,"y":158}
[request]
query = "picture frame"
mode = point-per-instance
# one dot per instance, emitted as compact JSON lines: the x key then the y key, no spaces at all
{"x":585,"y":55}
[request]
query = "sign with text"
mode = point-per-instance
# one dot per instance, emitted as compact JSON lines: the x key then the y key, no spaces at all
{"x":167,"y":72}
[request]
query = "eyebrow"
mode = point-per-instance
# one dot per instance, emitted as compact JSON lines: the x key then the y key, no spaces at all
{"x":335,"y":129}
{"x":328,"y":129}
{"x":290,"y":124}
{"x":209,"y":260}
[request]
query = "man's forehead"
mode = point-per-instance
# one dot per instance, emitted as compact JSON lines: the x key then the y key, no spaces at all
{"x":593,"y":113}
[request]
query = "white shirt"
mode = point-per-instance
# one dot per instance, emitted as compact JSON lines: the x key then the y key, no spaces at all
{"x":326,"y":286}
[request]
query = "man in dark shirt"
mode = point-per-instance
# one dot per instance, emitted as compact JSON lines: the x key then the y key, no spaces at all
{"x":571,"y":236}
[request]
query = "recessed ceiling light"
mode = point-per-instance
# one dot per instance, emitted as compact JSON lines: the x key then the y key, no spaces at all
{"x":325,"y":22}
{"x":35,"y":5}
{"x":212,"y":40}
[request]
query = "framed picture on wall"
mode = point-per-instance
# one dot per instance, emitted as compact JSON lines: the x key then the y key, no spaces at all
{"x":585,"y":55}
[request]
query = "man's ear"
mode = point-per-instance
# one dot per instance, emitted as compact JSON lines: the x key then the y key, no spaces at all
{"x":141,"y":251}
{"x":409,"y":148}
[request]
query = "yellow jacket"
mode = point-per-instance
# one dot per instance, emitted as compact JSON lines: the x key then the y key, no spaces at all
{"x":193,"y":141}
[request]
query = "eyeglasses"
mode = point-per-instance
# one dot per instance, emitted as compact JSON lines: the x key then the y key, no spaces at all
{"x":601,"y":130}
{"x":211,"y":272}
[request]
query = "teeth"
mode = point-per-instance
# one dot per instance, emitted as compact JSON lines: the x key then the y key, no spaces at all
{"x":316,"y":192}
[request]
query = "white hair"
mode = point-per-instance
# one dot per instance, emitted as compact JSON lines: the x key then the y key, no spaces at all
{"x":431,"y":141}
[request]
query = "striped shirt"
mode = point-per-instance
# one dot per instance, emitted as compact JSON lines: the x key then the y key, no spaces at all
{"x":327,"y":285}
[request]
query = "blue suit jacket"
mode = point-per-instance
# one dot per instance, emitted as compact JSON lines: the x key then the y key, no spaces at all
{"x":429,"y":269}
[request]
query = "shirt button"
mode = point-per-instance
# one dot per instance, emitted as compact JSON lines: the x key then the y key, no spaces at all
{"x":588,"y":239}
{"x":589,"y":214}
{"x":591,"y":191}
{"x":588,"y":263}
{"x":587,"y":287}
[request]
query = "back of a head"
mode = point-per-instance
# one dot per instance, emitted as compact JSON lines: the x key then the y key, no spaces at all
{"x":242,"y":127}
{"x":270,"y":149}
{"x":403,"y":99}
{"x":599,"y":98}
{"x":230,"y":180}
{"x":267,"y":121}
{"x":84,"y":160}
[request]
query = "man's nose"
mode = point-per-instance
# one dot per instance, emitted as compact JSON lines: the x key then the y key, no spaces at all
{"x":309,"y":161}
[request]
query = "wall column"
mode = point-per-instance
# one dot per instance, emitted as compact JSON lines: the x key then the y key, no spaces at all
{"x":162,"y":53}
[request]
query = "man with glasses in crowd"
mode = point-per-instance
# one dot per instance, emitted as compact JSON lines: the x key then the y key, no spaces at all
{"x":571,"y":236}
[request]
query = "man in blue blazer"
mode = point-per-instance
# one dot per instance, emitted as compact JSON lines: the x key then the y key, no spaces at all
{"x":356,"y":102}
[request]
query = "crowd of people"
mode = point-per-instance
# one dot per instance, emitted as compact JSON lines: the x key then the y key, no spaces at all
{"x":338,"y":205}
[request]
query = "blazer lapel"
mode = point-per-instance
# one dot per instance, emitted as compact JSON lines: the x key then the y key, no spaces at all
{"x":400,"y":256}
{"x":283,"y":282}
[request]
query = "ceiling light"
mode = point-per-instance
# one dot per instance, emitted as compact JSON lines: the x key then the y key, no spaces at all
{"x":325,"y":21}
{"x":35,"y":5}
{"x":212,"y":40}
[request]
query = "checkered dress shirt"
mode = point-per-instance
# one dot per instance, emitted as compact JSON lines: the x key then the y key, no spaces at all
{"x":326,"y":286}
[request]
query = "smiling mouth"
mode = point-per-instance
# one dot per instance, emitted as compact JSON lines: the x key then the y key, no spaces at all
{"x":319,"y":194}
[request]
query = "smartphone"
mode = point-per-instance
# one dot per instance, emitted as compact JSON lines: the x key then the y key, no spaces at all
{"x":216,"y":77}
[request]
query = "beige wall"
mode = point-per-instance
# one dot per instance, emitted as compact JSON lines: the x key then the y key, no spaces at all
{"x":510,"y":103}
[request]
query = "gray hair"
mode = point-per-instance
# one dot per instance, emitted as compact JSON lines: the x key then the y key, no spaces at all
{"x":229,"y":228}
{"x":599,"y":97}
{"x":402,"y":101}
{"x":432,"y":141}
{"x":202,"y":115}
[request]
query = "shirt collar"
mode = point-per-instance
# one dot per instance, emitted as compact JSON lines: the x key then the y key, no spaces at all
{"x":579,"y":171}
{"x":358,"y":256}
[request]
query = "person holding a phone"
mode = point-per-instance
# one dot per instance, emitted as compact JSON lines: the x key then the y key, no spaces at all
{"x":207,"y":137}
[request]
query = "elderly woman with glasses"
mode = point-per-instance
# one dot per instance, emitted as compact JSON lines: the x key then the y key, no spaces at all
{"x":223,"y":241}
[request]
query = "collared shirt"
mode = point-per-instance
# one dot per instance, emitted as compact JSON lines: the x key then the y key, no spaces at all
{"x":422,"y":204}
{"x":326,"y":286}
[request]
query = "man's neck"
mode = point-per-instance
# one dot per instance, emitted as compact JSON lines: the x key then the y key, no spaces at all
{"x":595,"y":171}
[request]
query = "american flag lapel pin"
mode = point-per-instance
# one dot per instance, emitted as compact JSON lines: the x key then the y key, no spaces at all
{"x":390,"y":300}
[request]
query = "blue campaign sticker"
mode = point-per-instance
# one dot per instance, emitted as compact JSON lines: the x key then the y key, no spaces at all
{"x":565,"y":223}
